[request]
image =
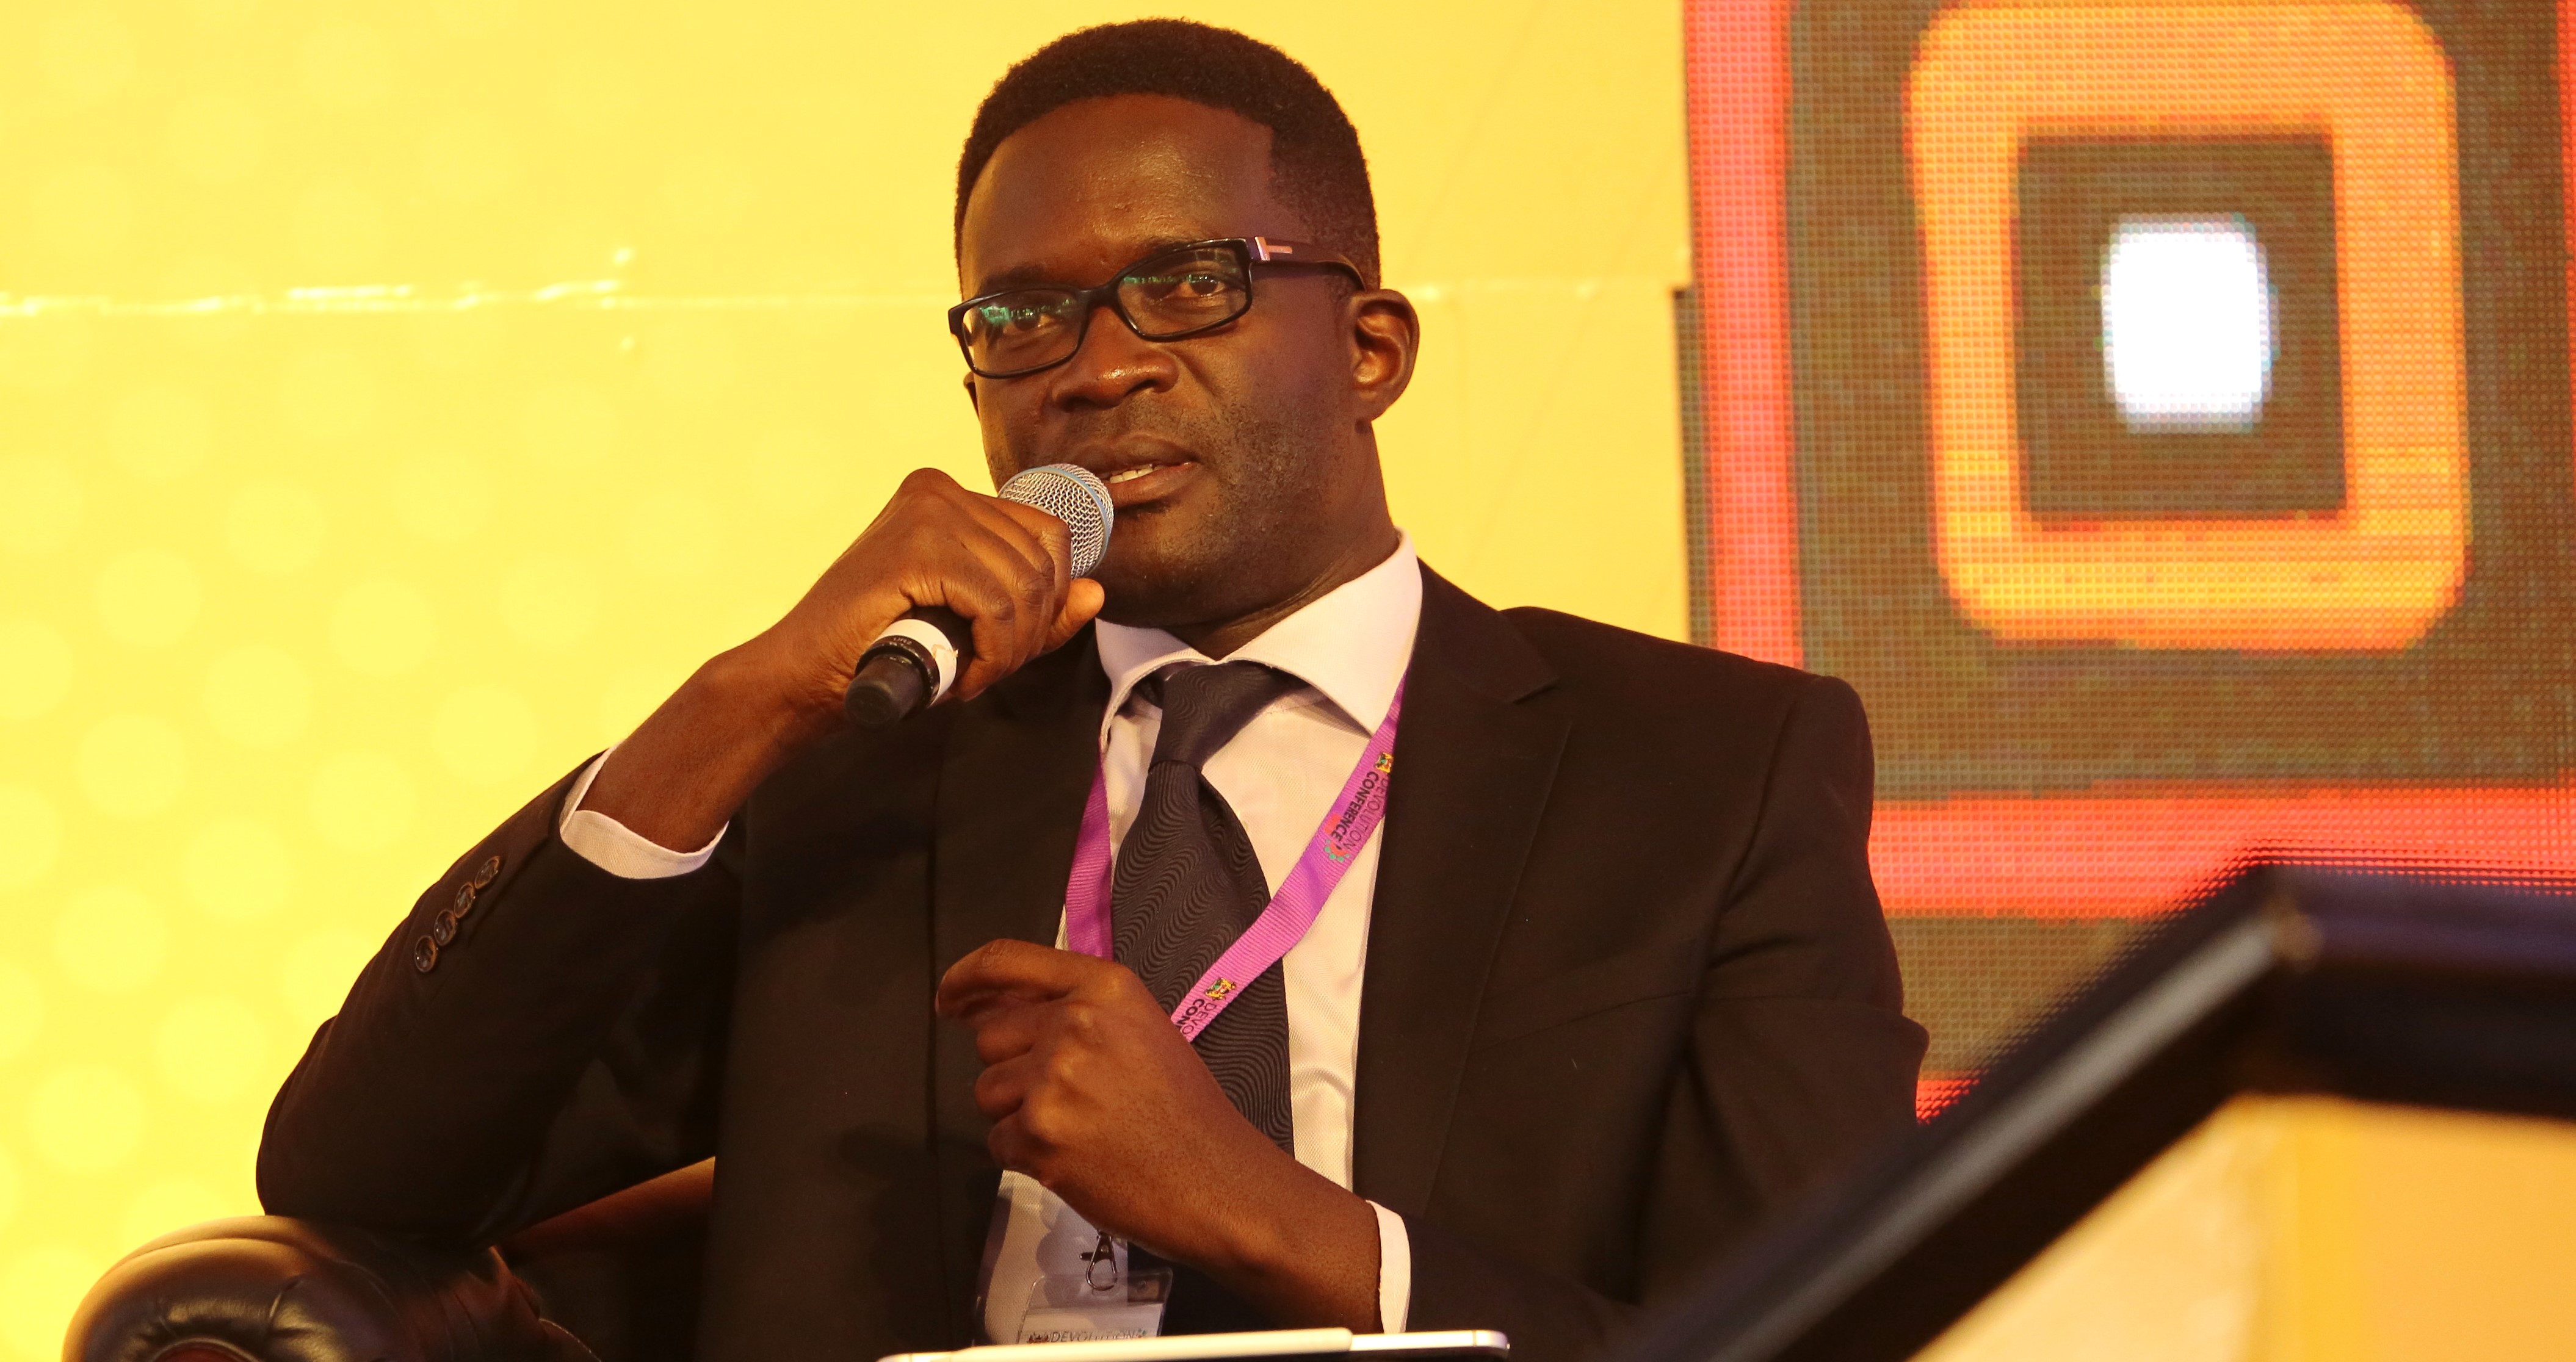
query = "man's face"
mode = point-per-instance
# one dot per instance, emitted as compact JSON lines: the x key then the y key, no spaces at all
{"x":1240,"y":460}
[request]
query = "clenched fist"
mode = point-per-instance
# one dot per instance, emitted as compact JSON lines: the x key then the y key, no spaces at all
{"x":1093,"y":1092}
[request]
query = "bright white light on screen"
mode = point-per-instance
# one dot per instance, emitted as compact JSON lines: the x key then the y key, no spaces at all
{"x":2187,"y":323}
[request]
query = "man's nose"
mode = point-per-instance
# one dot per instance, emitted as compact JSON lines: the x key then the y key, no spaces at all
{"x":1112,"y":364}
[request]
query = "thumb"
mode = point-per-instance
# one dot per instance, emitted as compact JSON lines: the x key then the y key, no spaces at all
{"x":1083,"y":599}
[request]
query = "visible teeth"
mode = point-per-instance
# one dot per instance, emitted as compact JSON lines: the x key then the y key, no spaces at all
{"x":1125,"y":474}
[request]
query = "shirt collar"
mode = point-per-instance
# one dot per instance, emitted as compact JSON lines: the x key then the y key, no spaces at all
{"x":1352,"y":644}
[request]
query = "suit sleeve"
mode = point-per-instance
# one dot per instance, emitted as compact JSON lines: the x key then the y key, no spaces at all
{"x":1799,"y":1062}
{"x":536,"y":1033}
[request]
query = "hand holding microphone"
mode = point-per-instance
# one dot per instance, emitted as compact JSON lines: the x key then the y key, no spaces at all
{"x":950,"y":589}
{"x":918,"y":657}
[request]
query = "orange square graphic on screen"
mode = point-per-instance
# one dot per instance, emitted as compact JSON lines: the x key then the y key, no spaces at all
{"x":2375,"y":573}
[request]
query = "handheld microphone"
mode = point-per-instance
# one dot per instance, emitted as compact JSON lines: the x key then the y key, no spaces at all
{"x":919,"y":656}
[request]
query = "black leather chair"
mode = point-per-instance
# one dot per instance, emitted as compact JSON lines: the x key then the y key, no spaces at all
{"x":613,"y":1281}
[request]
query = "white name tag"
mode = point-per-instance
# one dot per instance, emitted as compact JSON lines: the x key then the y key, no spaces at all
{"x":1107,"y":1300}
{"x":1091,"y":1324}
{"x":1051,"y":1277}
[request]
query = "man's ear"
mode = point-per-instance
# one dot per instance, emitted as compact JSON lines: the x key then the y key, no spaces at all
{"x":1386,"y":337}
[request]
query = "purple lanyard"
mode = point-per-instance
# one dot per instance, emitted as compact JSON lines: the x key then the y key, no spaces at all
{"x":1301,"y":896}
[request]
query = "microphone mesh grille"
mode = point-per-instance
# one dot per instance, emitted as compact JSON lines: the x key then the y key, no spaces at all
{"x":1071,"y":494}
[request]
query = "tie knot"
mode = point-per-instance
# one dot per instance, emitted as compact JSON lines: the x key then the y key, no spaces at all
{"x":1205,"y":706}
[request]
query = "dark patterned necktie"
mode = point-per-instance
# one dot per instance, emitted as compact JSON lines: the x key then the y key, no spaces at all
{"x":1188,"y":883}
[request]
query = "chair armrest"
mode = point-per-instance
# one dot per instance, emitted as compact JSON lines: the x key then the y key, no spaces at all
{"x":623,"y":1272}
{"x":271,"y":1289}
{"x":674,"y":1204}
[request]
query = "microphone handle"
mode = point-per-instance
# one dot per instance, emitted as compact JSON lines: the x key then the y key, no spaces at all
{"x":911,"y":664}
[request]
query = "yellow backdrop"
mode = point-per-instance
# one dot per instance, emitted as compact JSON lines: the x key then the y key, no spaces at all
{"x":396,"y":399}
{"x":398,"y":396}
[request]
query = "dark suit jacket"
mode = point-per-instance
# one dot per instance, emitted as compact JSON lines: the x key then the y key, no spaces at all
{"x":1628,"y":993}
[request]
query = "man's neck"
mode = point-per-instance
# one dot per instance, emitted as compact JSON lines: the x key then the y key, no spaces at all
{"x":1219,"y":639}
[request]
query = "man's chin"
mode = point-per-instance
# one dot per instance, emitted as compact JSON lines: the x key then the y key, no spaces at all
{"x":1148,"y":610}
{"x":1162,"y":594}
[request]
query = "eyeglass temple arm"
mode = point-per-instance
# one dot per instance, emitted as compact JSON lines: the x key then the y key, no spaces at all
{"x":1269,"y":251}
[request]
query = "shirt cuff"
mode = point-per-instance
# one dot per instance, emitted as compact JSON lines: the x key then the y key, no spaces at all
{"x":1394,"y":1271}
{"x":618,"y":849}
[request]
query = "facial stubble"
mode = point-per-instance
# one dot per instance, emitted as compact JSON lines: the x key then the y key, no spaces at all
{"x":1247,"y":541}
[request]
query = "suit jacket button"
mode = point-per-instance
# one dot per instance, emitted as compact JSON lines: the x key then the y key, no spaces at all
{"x":464,"y":901}
{"x":424,"y":954}
{"x":442,"y":929}
{"x":486,"y":872}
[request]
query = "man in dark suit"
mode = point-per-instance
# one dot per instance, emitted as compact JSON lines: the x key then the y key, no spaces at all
{"x":1608,"y":986}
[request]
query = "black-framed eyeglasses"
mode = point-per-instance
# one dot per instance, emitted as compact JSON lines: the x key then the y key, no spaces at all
{"x":1176,"y":292}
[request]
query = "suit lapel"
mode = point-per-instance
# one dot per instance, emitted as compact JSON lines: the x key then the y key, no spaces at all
{"x":1473,"y":768}
{"x":1016,"y":767}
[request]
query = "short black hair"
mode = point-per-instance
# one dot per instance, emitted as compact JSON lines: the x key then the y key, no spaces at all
{"x":1316,"y":166}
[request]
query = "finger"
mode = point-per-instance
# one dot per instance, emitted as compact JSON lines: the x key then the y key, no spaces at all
{"x":1010,"y":1026}
{"x":975,"y":996}
{"x":980,"y":1005}
{"x":1083,"y":599}
{"x":923,"y":484}
{"x":1026,"y":589}
{"x":1009,"y":967}
{"x":1041,"y":539}
{"x":1047,"y":544}
{"x":1036,"y":1133}
{"x":1014,"y":1148}
{"x":1007,"y":602}
{"x":1002,"y":1088}
{"x":1041,"y":545}
{"x":1054,"y":537}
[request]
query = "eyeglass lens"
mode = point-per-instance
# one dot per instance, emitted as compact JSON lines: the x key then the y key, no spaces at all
{"x":1164,"y":298}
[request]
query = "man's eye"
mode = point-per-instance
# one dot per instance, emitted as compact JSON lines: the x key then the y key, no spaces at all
{"x":1018,"y":316}
{"x":1183,"y":287}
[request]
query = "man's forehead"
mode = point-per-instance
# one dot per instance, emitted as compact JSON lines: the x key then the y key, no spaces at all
{"x":1089,"y":187}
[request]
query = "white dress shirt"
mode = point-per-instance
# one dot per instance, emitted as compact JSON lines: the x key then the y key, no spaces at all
{"x":1280,"y":775}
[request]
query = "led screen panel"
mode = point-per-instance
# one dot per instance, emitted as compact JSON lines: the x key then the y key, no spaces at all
{"x":2159,"y":412}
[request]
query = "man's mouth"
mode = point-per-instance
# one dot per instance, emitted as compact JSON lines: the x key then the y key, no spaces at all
{"x":1136,"y":484}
